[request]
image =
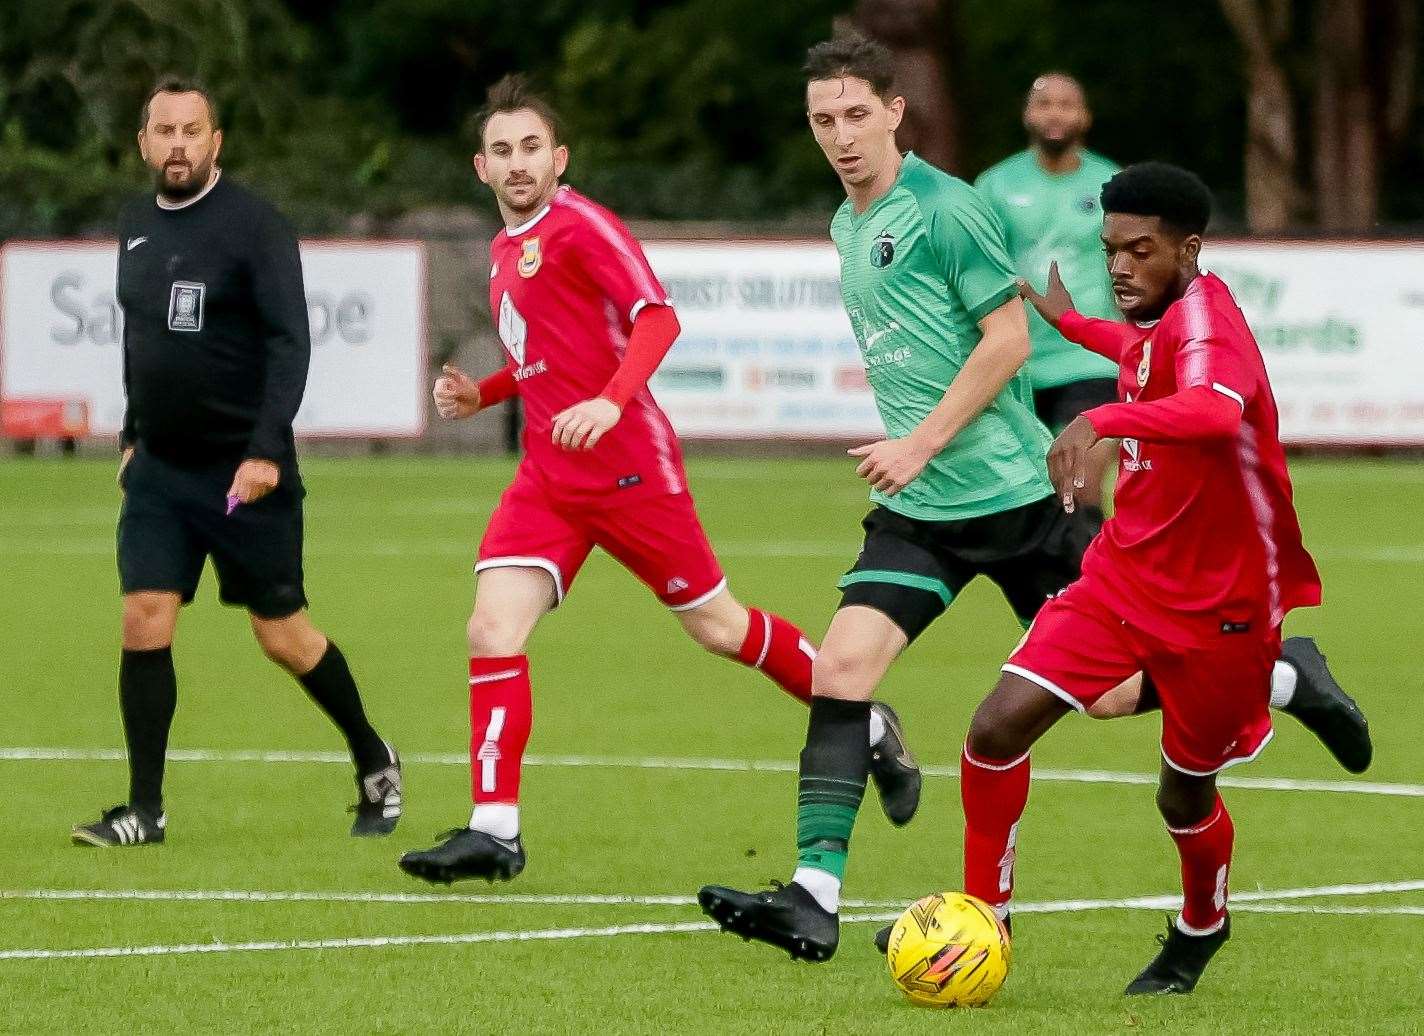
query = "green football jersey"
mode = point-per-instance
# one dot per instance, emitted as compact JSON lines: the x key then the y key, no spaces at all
{"x":919,"y":269}
{"x":1051,"y":218}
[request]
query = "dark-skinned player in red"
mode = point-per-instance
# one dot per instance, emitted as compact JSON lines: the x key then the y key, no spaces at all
{"x":1189,"y":581}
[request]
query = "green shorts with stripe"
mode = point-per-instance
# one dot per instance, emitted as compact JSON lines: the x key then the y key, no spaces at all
{"x":911,"y":570}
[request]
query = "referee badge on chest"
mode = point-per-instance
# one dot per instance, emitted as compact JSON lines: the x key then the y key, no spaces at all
{"x":1145,"y":367}
{"x":185,"y":306}
{"x":530,"y":258}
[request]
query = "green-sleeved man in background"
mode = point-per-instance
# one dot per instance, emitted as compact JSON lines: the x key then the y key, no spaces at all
{"x":1046,"y":196}
{"x":959,"y":485}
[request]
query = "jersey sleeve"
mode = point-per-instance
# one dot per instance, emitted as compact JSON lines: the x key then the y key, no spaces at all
{"x":1195,"y":414}
{"x":275,"y":269}
{"x":968,"y":242}
{"x":1210,"y":353}
{"x":1105,"y":337}
{"x":614,"y":261}
{"x":127,"y":433}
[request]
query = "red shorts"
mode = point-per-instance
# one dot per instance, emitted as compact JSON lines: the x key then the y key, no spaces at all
{"x":1215,"y":699}
{"x":658,"y":538}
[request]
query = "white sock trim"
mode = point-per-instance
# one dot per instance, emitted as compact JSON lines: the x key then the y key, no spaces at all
{"x":765,"y":640}
{"x":1283,"y":679}
{"x":824,"y":887}
{"x":984,"y":764}
{"x":1187,"y":929}
{"x":500,"y":819}
{"x":877,"y":727}
{"x":1205,"y":825}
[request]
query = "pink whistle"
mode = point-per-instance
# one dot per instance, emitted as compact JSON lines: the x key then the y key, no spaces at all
{"x":232,"y":501}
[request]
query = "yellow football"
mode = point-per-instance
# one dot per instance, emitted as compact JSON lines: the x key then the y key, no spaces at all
{"x":949,"y":950}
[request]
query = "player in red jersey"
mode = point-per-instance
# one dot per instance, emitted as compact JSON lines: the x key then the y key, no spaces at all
{"x":585,"y":323}
{"x":1188,"y":582}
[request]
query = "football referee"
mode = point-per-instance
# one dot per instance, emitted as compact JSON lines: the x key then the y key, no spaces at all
{"x":216,"y":349}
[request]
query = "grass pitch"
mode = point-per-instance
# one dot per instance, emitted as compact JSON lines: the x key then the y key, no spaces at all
{"x":658,"y":769}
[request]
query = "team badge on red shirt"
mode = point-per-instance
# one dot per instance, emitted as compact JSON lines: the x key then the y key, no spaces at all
{"x":530,"y":259}
{"x":1143,"y":369}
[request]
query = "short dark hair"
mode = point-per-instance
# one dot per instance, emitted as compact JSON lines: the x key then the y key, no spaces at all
{"x":511,"y":94}
{"x":1174,"y":195}
{"x":179,"y":85}
{"x":851,"y":54}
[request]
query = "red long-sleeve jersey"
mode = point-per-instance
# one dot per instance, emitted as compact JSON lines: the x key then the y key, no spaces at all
{"x":1204,"y":534}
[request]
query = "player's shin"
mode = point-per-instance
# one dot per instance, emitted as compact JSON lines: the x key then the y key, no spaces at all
{"x":994,"y":792}
{"x":1205,"y":850}
{"x":834,"y":766}
{"x":501,"y":711}
{"x":779,"y":650}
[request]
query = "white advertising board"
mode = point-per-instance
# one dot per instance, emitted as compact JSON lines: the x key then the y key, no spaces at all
{"x":1341,"y":326}
{"x":60,"y":332}
{"x":767,"y":352}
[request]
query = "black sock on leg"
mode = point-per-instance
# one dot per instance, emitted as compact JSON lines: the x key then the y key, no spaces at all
{"x":834,"y":767}
{"x":332,"y":687}
{"x":148,"y":696}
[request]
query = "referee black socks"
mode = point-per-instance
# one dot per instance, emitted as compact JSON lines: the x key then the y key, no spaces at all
{"x":148,"y":696}
{"x":332,"y":687}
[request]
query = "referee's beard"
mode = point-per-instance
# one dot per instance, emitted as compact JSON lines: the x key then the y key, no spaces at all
{"x":187,"y":181}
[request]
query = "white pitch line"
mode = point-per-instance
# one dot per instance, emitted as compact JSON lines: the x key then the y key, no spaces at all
{"x":204,"y":755}
{"x":623,"y":899}
{"x":357,"y":943}
{"x":1241,"y":903}
{"x":1293,"y":908}
{"x":260,"y":896}
{"x":405,"y":898}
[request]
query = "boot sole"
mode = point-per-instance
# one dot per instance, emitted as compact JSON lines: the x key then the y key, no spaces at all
{"x":739,"y":920}
{"x":447,"y":874}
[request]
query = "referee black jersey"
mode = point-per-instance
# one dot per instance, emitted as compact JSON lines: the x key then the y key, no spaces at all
{"x":216,"y":344}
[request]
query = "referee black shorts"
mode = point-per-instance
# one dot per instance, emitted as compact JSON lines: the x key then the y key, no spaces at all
{"x":911,"y":570}
{"x":174,"y":517}
{"x":1057,"y":406}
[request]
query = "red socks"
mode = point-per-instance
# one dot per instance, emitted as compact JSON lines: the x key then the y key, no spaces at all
{"x":779,"y":650}
{"x":500,"y":714}
{"x":1205,"y":850}
{"x":994,"y":794}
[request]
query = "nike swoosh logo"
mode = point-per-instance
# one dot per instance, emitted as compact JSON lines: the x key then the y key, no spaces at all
{"x":511,"y":846}
{"x":134,"y":242}
{"x":872,"y":339}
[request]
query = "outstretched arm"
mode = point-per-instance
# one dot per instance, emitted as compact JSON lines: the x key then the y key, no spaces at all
{"x":1104,"y":337}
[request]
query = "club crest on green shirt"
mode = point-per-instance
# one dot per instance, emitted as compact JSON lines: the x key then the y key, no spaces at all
{"x":882,"y":252}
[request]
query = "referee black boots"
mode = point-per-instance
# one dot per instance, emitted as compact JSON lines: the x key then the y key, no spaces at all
{"x":122,"y":825}
{"x":378,"y":804}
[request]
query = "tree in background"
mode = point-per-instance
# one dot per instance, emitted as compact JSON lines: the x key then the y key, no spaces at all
{"x":1366,"y":54}
{"x":1274,"y":198}
{"x":1349,"y":70}
{"x":351,"y":113}
{"x":73,"y":74}
{"x":920,"y":34}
